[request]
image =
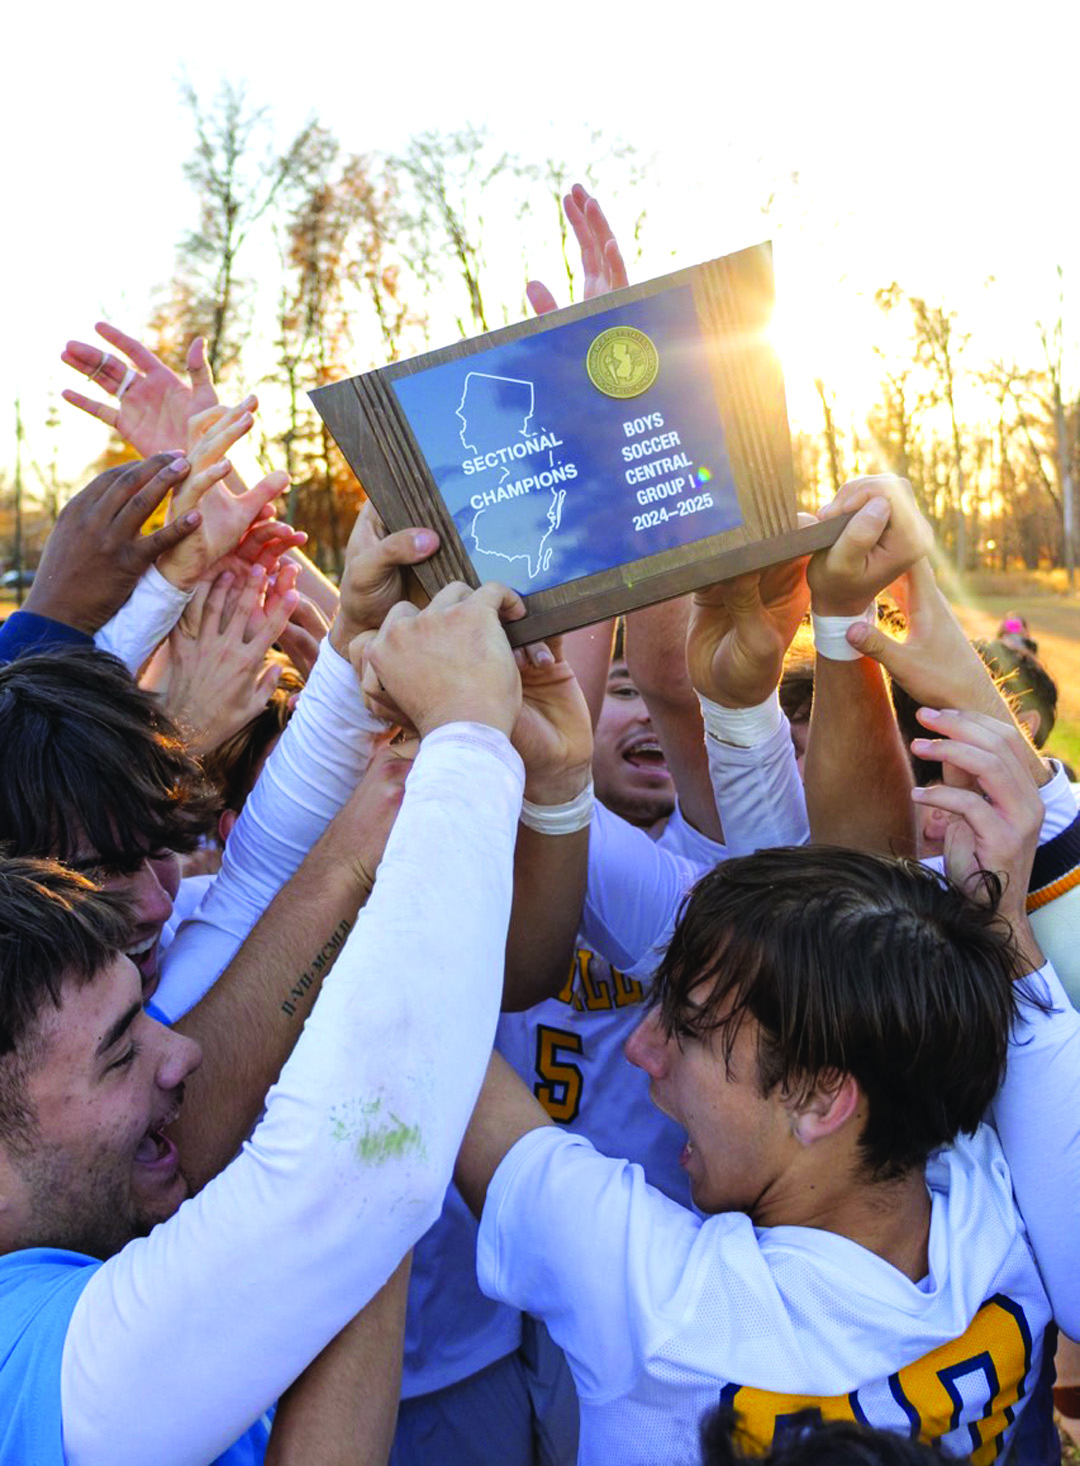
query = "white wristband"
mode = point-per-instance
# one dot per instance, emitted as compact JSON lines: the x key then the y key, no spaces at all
{"x":829,"y":634}
{"x":560,"y":819}
{"x":742,"y":727}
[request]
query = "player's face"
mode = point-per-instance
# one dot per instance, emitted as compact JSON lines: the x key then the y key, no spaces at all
{"x":108,"y":1080}
{"x":629,"y":771}
{"x":739,"y":1141}
{"x":151,"y":889}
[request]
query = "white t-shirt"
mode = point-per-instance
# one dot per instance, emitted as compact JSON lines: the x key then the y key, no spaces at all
{"x":663,"y":1314}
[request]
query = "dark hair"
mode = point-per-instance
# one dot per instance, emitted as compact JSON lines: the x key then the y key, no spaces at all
{"x":810,"y":1441}
{"x":231,"y":767}
{"x":855,"y":964}
{"x":89,"y":758}
{"x":54,"y":924}
{"x":1024,"y":681}
{"x":797,"y":682}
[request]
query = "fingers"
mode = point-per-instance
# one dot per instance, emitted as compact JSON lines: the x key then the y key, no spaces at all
{"x":215,"y":599}
{"x":975,"y":743}
{"x":198,"y":367}
{"x":171,"y":535}
{"x":224,"y":428}
{"x":574,"y":208}
{"x":862,"y":532}
{"x":540,"y":297}
{"x":506,"y":603}
{"x":270,"y":621}
{"x":859,"y":491}
{"x":141,"y":355}
{"x":103,"y":410}
{"x":407,"y":546}
{"x":196,"y":485}
{"x":140,"y":487}
{"x":268,"y":681}
{"x":873,"y":642}
{"x":271,"y":487}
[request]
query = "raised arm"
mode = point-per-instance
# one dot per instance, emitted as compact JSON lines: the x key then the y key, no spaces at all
{"x":342,"y":1411}
{"x":250,"y":1019}
{"x":358,"y":1141}
{"x":738,"y":634}
{"x":995,"y":814}
{"x":858,"y":776}
{"x":97,"y":552}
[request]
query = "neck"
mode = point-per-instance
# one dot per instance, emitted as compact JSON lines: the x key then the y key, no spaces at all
{"x":889,"y":1218}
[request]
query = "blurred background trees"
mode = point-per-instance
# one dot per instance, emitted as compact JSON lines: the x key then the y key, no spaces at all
{"x":310,"y":262}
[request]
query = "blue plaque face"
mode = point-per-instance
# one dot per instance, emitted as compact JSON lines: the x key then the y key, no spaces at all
{"x":576,"y":450}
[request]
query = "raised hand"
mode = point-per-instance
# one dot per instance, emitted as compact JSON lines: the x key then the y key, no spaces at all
{"x":372,"y":581}
{"x":884,"y":538}
{"x":225,"y":517}
{"x":97,"y":551}
{"x":994,"y":809}
{"x":553,"y":732}
{"x":218,"y":677}
{"x":601,"y":260}
{"x":936,"y":664}
{"x":739,"y":631}
{"x":153,"y":405}
{"x":449,"y":663}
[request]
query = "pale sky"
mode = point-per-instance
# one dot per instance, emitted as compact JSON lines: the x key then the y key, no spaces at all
{"x":934,"y":143}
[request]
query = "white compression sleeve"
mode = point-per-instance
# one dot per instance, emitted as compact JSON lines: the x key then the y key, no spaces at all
{"x":321,"y":758}
{"x":207,"y":1320}
{"x":758,"y":793}
{"x":144,"y":620}
{"x":1037,"y":1115}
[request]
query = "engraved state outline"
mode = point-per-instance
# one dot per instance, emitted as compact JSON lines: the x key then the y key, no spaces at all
{"x":557,"y":497}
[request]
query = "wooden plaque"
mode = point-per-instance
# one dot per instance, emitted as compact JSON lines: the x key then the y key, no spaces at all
{"x":619,"y":452}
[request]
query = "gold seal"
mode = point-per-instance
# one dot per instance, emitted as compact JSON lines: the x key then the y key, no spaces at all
{"x":622,"y":362}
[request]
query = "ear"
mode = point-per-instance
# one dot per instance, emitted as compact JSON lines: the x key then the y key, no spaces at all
{"x":826,"y":1109}
{"x":225,"y":824}
{"x":1031,"y":719}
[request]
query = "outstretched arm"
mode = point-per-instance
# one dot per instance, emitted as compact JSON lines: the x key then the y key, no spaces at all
{"x":995,"y":814}
{"x":858,"y":776}
{"x":361,"y":1130}
{"x":505,"y":1111}
{"x":342,"y":1411}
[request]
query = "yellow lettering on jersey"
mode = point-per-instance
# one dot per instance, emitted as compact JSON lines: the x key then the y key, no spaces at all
{"x":568,"y":994}
{"x":627,"y":989}
{"x":991,"y":1360}
{"x":761,"y":1413}
{"x":596,"y":992}
{"x":560,"y":1088}
{"x":997,"y":1347}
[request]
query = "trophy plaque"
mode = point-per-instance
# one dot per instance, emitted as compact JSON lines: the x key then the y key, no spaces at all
{"x":618,"y":452}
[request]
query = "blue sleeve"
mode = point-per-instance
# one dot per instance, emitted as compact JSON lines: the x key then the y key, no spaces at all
{"x":26,"y":631}
{"x":38,"y":1293}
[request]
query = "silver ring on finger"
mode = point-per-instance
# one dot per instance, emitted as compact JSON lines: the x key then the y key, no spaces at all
{"x":129,"y":377}
{"x":102,"y":364}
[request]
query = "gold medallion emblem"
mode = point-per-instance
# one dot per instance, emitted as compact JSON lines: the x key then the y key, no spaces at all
{"x":622,"y":362}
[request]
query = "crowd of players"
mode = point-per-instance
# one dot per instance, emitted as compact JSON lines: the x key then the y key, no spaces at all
{"x":640,"y":1049}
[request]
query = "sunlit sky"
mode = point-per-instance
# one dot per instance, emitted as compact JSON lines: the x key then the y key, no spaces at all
{"x":933,"y":144}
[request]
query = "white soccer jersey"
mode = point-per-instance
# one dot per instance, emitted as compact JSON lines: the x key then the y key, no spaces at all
{"x":663,"y":1315}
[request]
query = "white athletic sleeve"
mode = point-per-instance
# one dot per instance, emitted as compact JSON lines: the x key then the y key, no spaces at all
{"x":633,"y":894}
{"x":144,"y":620}
{"x":758,"y":793}
{"x":1059,"y":804}
{"x":1037,"y":1115}
{"x":321,"y":757}
{"x":582,"y":1242}
{"x":185,"y":1337}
